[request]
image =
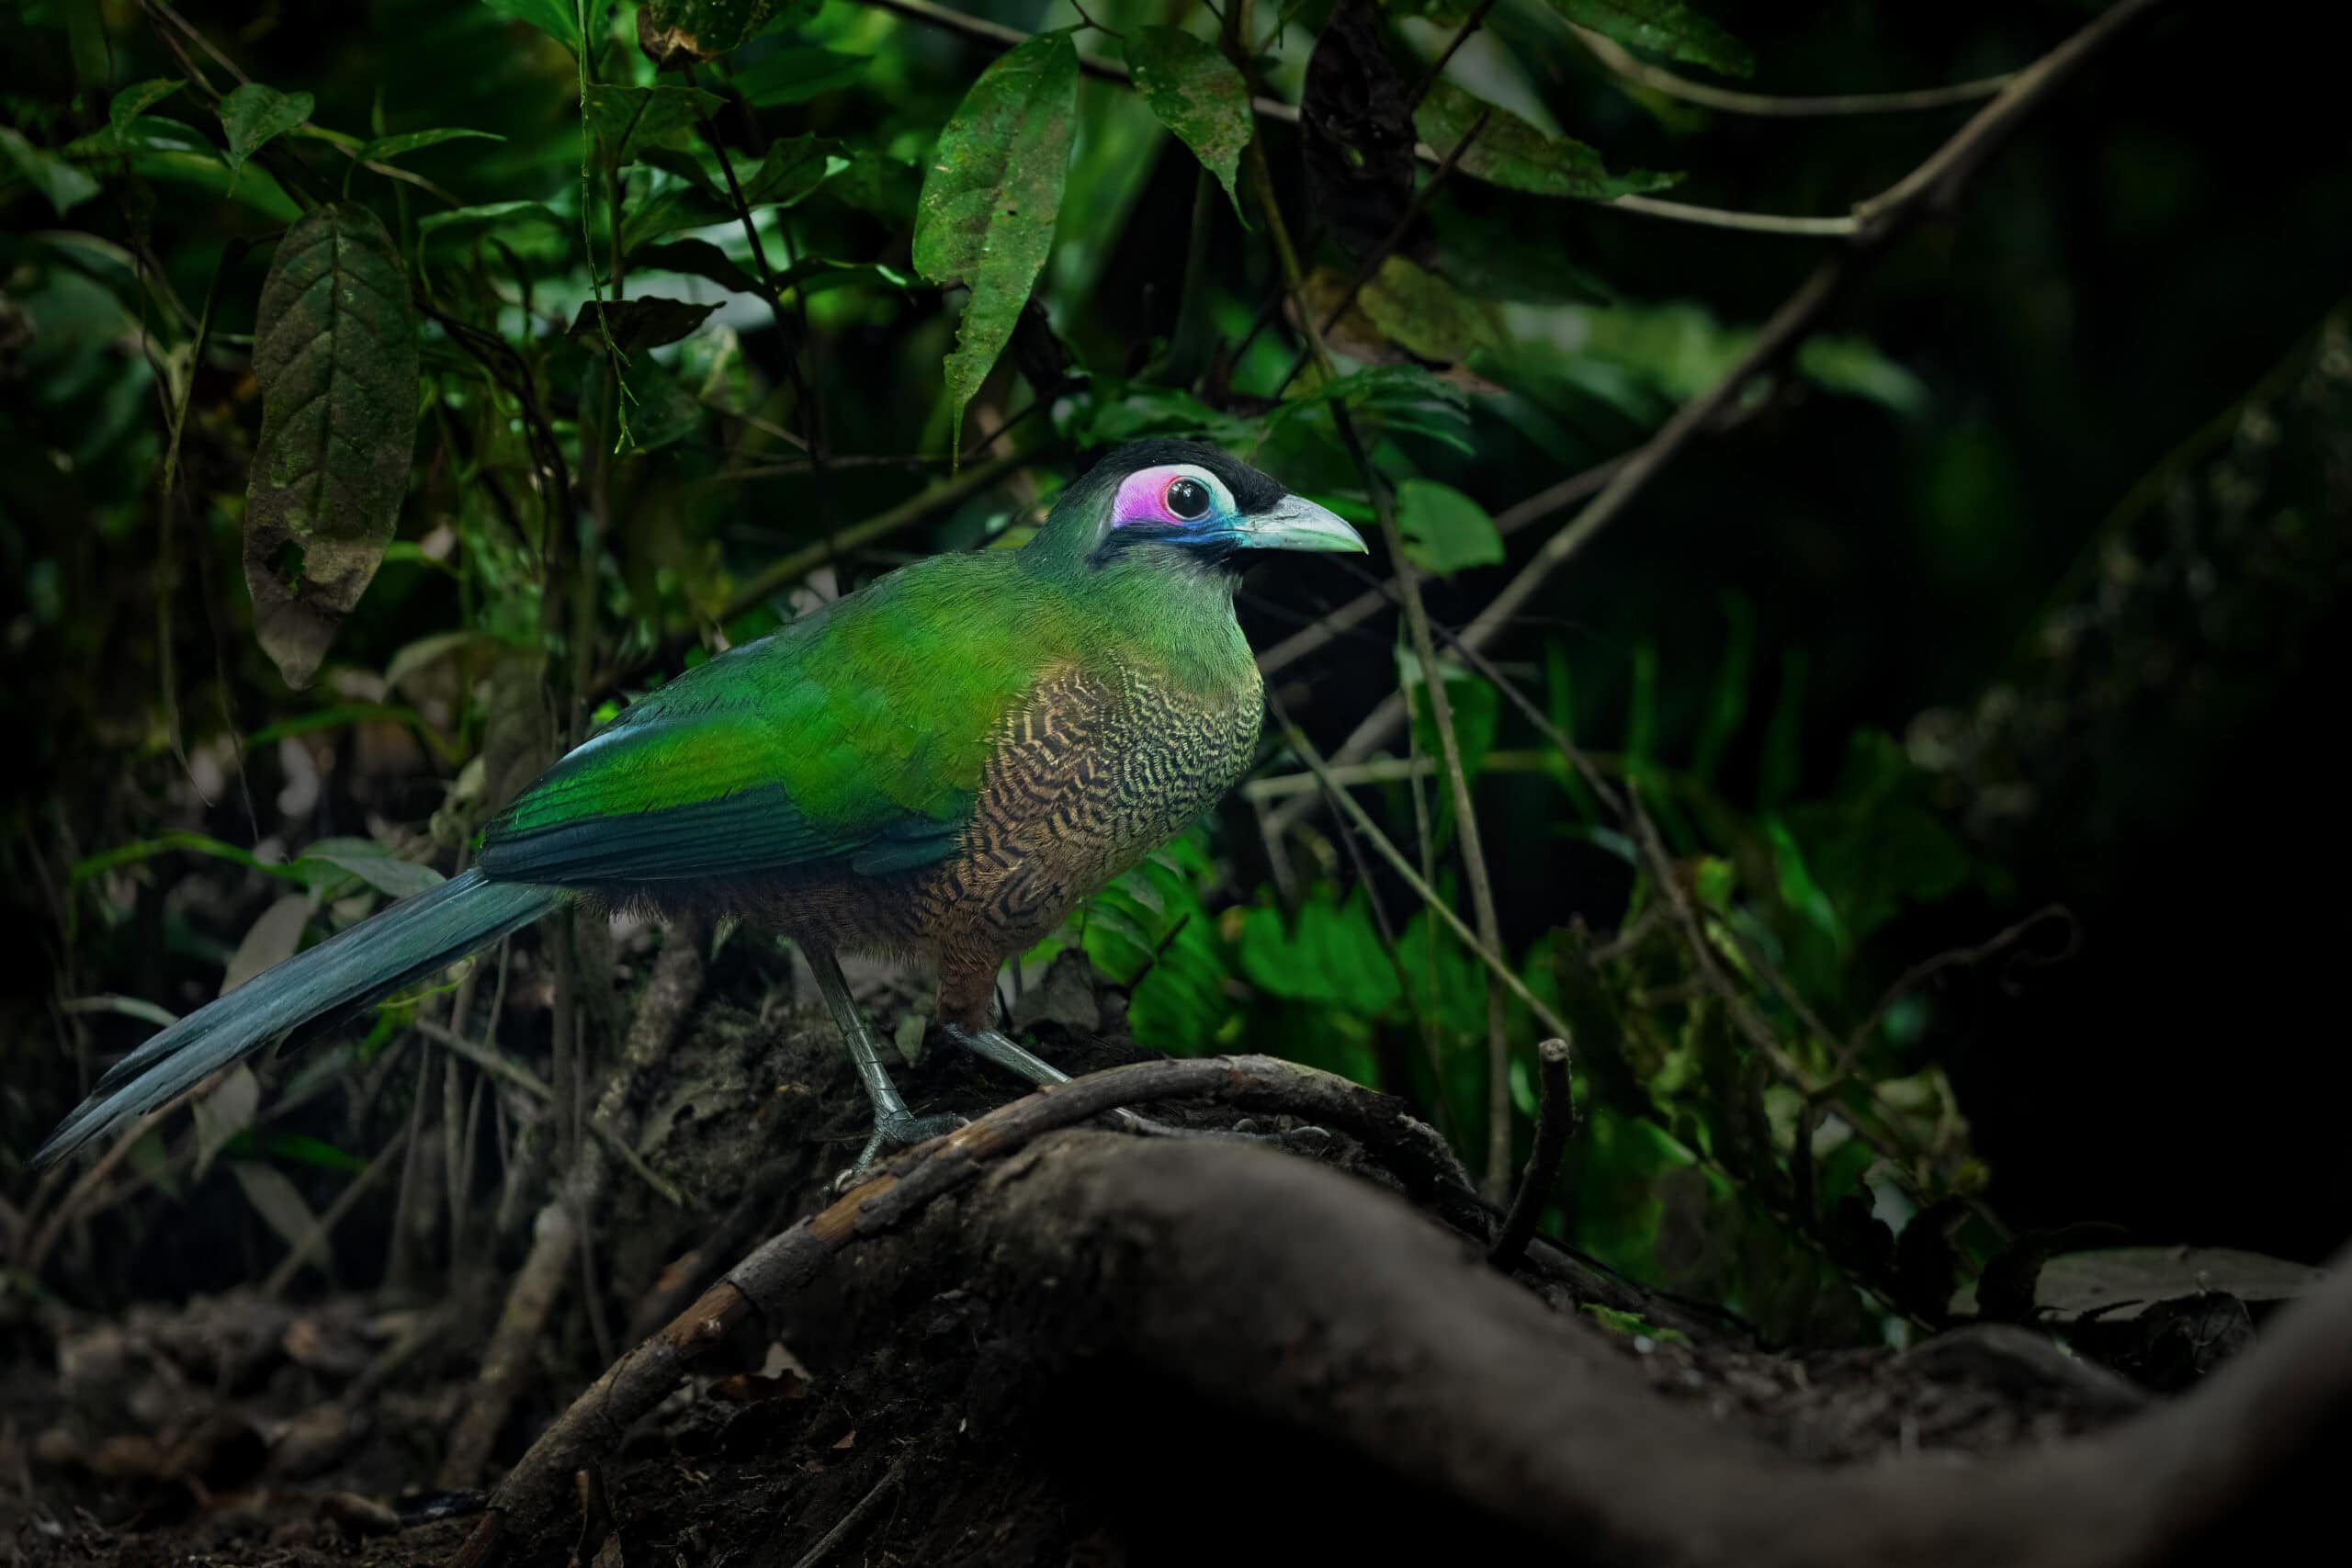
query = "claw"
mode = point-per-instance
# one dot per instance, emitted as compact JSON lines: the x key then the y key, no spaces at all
{"x":892,"y":1133}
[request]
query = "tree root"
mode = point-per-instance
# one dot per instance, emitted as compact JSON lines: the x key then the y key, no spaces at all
{"x":1325,"y":1307}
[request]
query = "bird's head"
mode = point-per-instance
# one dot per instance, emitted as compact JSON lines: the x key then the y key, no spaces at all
{"x":1180,"y":501}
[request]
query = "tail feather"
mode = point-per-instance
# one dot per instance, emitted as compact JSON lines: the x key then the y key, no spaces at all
{"x":413,"y":939}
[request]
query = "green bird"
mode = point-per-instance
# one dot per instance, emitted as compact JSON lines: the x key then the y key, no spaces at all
{"x":943,"y":764}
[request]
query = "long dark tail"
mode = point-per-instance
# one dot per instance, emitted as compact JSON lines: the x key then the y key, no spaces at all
{"x":397,"y":947}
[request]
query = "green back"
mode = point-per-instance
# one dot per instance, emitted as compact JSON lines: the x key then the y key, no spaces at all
{"x":855,"y":739}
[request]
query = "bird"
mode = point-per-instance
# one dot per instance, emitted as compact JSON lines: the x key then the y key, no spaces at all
{"x":941,"y":765}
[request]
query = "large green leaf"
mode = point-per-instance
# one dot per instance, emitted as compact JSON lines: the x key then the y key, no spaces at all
{"x":990,"y":195}
{"x":334,"y":352}
{"x":796,"y":75}
{"x":1425,"y":315}
{"x":254,"y":114}
{"x":625,"y":120}
{"x":64,"y":185}
{"x":1445,"y":530}
{"x":1198,"y":95}
{"x":386,"y":148}
{"x":139,"y":98}
{"x":1664,"y":26}
{"x":1516,"y":155}
{"x":557,"y":19}
{"x":647,"y":322}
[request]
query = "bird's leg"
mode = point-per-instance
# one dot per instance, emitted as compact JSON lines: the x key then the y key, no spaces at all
{"x":895,"y":1126}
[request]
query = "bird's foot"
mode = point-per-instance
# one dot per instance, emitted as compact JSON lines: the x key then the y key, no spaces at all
{"x":892,"y":1133}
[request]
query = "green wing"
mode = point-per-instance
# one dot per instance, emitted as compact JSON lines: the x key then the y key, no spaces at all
{"x":852,"y":742}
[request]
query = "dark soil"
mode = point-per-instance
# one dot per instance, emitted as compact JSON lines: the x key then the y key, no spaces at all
{"x":235,"y":1429}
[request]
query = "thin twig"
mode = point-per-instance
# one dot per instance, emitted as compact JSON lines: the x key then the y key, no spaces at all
{"x":1471,"y":847}
{"x":1555,"y":1114}
{"x":1622,"y":61}
{"x":1935,"y":183}
{"x":857,"y":1516}
{"x":528,"y":1082}
{"x":1427,"y":894}
{"x":311,"y":1245}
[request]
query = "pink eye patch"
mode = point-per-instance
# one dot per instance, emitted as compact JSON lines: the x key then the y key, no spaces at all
{"x":1169,"y":497}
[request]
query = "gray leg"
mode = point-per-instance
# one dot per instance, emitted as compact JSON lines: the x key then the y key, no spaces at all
{"x":895,"y":1127}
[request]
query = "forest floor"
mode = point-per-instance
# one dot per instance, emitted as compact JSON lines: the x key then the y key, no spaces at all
{"x":923,"y":1409}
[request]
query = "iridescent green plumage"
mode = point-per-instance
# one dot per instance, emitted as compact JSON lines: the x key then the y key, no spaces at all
{"x":944,"y":763}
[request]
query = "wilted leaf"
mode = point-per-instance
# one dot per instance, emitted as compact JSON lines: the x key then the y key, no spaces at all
{"x":646,"y":322}
{"x":624,"y":118}
{"x":1445,"y":530}
{"x":385,"y":149}
{"x":275,"y":1199}
{"x":334,"y":351}
{"x":994,"y":185}
{"x":271,"y":941}
{"x":253,"y":115}
{"x":139,"y":98}
{"x":223,"y":1113}
{"x":1516,"y":155}
{"x":1198,"y":95}
{"x":675,"y":32}
{"x":1425,"y":315}
{"x":796,"y":75}
{"x":375,"y":865}
{"x":1664,"y":26}
{"x":2117,"y":1283}
{"x":64,"y":185}
{"x":557,"y":19}
{"x":1356,"y":123}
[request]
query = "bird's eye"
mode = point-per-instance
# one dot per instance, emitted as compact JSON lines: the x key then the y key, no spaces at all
{"x":1187,"y":499}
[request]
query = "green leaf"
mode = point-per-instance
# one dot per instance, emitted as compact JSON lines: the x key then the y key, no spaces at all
{"x":1334,"y":957}
{"x":645,"y":323}
{"x":990,"y":195}
{"x":796,"y":75}
{"x":253,"y":115}
{"x":704,"y":29}
{"x":1513,"y":154}
{"x":1425,"y":315}
{"x":1198,"y":95}
{"x":791,"y":169}
{"x":697,"y":258}
{"x":490,"y":215}
{"x":557,"y":19}
{"x":385,"y":149}
{"x":1445,"y":530}
{"x":624,"y":118}
{"x":1664,"y":26}
{"x":64,"y":185}
{"x":334,"y":352}
{"x":139,"y":98}
{"x":815,"y":274}
{"x":375,"y":865}
{"x":788,"y":172}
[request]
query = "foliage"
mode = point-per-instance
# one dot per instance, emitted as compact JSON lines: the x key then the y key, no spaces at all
{"x":506,"y":362}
